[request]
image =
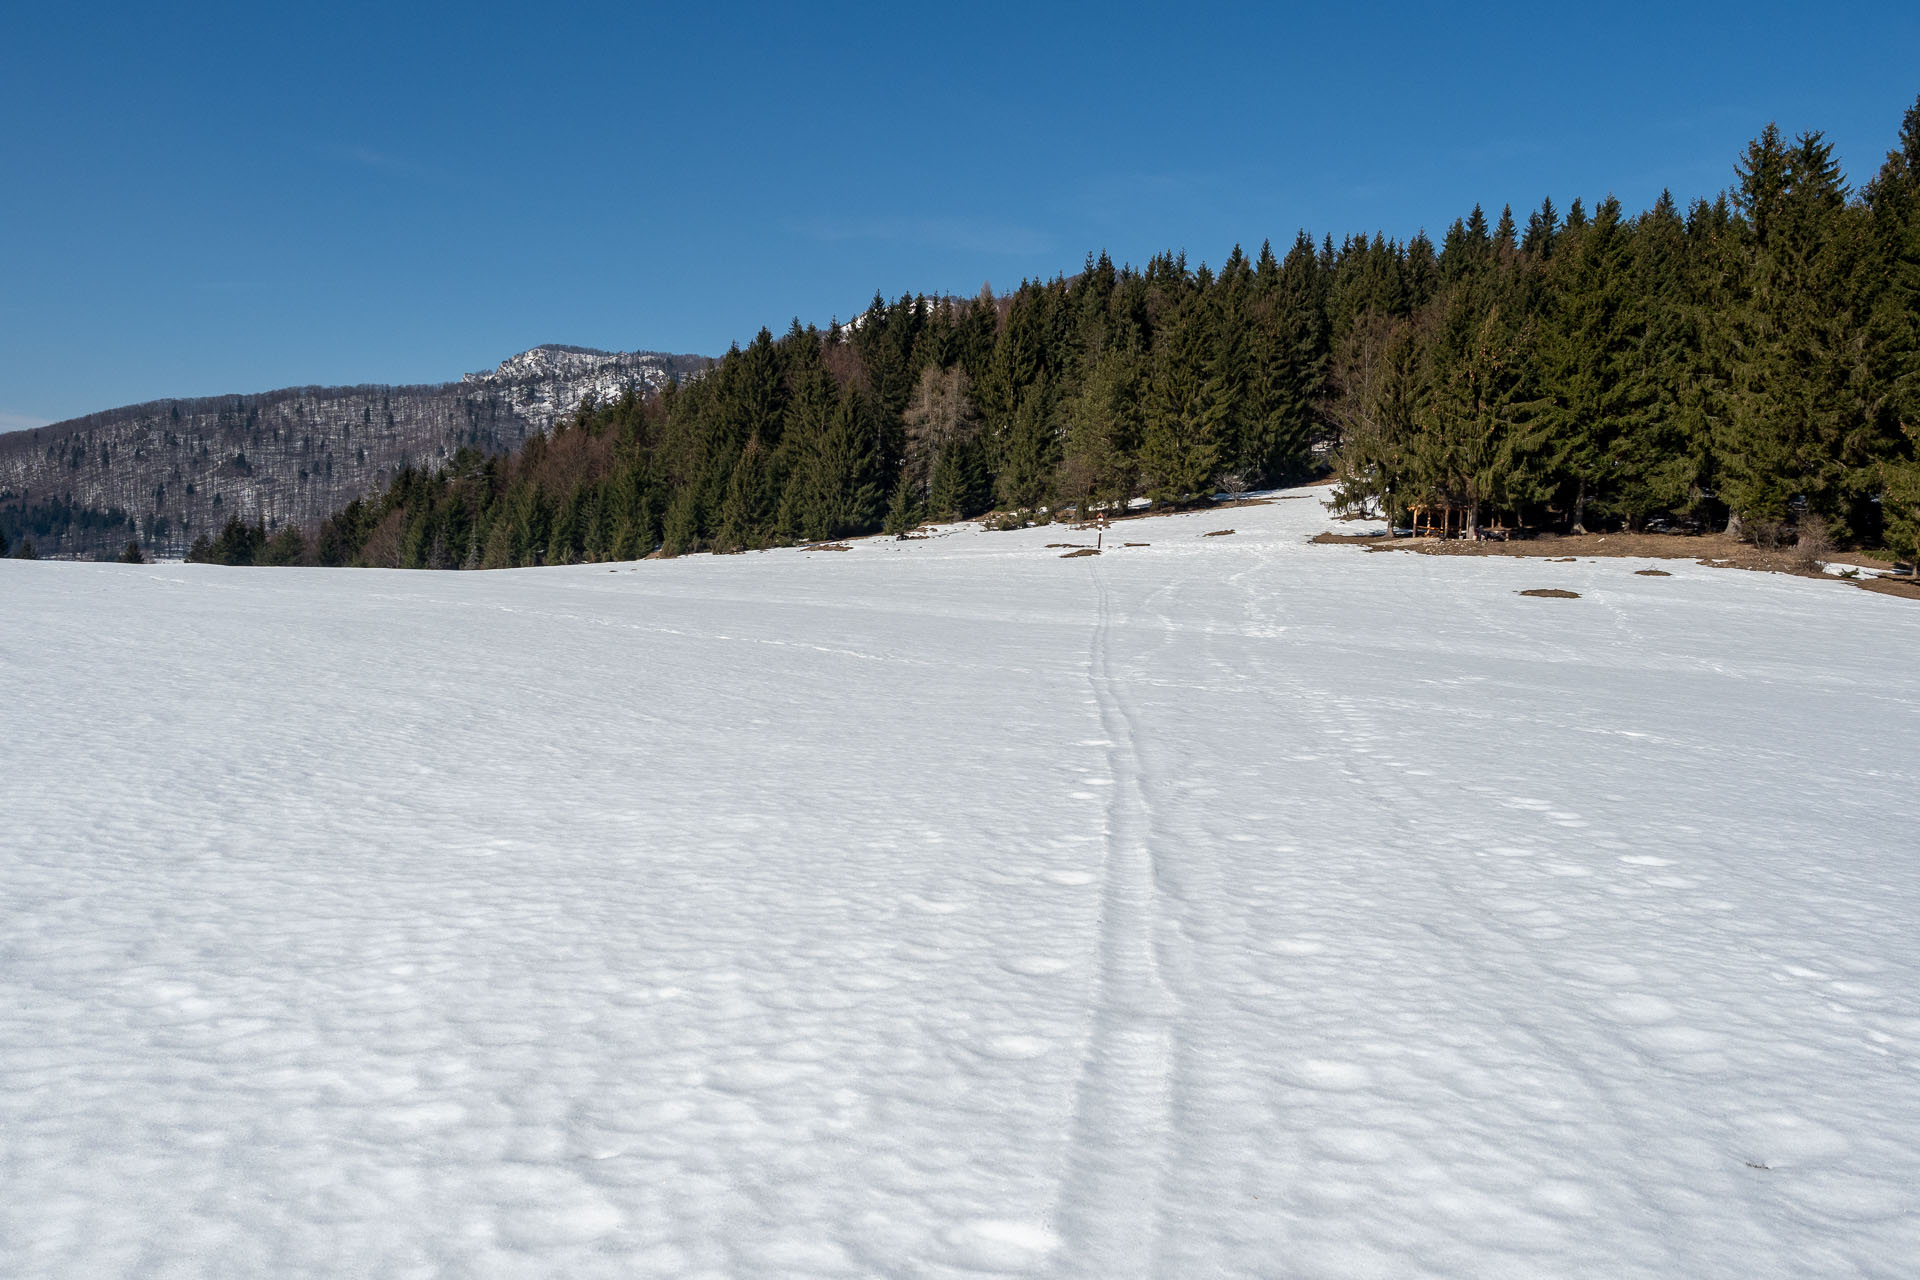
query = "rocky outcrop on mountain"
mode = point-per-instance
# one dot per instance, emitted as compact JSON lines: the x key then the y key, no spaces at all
{"x":165,"y":472}
{"x":547,"y":383}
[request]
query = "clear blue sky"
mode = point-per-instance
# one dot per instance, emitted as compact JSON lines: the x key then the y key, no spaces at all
{"x":213,"y":199}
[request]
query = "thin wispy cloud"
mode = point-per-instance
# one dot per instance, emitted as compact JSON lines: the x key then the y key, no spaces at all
{"x":382,"y":162}
{"x":969,"y":235}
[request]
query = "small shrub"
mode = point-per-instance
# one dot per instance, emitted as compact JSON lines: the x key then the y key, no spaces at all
{"x":1813,"y":541}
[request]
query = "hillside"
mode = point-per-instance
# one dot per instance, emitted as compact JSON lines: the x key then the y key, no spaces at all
{"x":1750,"y":364}
{"x":1225,"y":906}
{"x":169,"y":470}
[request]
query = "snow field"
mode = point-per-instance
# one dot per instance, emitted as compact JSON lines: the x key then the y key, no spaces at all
{"x":1225,"y":906}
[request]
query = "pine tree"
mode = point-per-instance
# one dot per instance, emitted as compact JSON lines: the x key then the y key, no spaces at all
{"x":903,"y":509}
{"x":1891,"y":338}
{"x":1473,"y":448}
{"x":1543,"y":225}
{"x":287,"y":546}
{"x":1102,"y":431}
{"x":682,"y":532}
{"x":1900,"y":481}
{"x":1381,"y":416}
{"x":1661,"y":451}
{"x":962,"y":486}
{"x":1794,"y":435}
{"x":1179,"y":455}
{"x":1590,"y":358}
{"x":748,"y":510}
{"x":1291,"y":357}
{"x":498,"y":553}
{"x":1028,"y":449}
{"x":1505,"y":235}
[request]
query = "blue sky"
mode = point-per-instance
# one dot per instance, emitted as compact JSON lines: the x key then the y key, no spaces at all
{"x":213,"y":199}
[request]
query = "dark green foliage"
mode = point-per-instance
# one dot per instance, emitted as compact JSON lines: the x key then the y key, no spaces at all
{"x":962,"y":487}
{"x":1754,"y":358}
{"x":131,"y":555}
{"x":1753,"y":361}
{"x":284,"y":548}
{"x":59,"y":520}
{"x":903,"y":509}
{"x":237,"y":543}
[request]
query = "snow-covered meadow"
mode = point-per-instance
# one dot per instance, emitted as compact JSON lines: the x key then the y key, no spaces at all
{"x":1221,"y":907}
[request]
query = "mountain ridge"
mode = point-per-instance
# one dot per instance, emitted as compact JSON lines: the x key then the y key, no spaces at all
{"x":163,"y":471}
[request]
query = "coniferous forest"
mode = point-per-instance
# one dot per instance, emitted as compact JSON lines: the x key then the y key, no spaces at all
{"x":1750,"y":361}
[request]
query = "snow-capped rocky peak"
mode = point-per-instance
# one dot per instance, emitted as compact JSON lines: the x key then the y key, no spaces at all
{"x":549,"y":382}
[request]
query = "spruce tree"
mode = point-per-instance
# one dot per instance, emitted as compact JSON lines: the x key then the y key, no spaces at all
{"x":748,"y":510}
{"x":1028,"y":449}
{"x":1891,"y":340}
{"x":1543,"y":224}
{"x":1179,"y":455}
{"x":1102,"y":431}
{"x":1590,"y":359}
{"x":1795,"y":412}
{"x":903,"y":509}
{"x":682,"y":532}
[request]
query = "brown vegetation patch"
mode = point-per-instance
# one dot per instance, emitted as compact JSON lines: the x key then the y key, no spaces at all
{"x":1057,"y":546}
{"x":1906,"y":588}
{"x":1217,"y":533}
{"x":1551,"y":593}
{"x":830,"y":546}
{"x":1651,"y":573}
{"x":1714,"y":550}
{"x":1084,"y":551}
{"x":1136,"y":544}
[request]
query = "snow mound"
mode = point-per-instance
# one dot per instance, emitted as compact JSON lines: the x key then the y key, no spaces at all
{"x":1218,"y":906}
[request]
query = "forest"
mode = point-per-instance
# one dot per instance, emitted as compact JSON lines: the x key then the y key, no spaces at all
{"x":1751,"y":361}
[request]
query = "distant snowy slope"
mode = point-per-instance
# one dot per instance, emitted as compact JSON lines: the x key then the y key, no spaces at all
{"x":1226,"y":906}
{"x":547,"y":383}
{"x":170,"y":470}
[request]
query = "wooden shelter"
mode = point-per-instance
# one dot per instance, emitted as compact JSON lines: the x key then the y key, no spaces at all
{"x":1440,"y":519}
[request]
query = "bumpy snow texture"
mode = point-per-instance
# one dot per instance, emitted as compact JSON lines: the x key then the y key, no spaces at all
{"x":1224,"y":906}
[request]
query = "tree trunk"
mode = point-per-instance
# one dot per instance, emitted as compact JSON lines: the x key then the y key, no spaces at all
{"x":1580,"y":508}
{"x":1733,"y":524}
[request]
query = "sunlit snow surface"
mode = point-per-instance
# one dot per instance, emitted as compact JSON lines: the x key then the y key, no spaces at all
{"x":1225,"y":906}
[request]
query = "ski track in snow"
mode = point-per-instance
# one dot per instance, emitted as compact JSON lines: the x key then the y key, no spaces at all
{"x":1222,"y":907}
{"x":1123,"y":1101}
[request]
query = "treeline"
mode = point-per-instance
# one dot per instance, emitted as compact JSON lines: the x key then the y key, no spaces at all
{"x":1751,"y":360}
{"x":1091,"y":389}
{"x":49,"y":520}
